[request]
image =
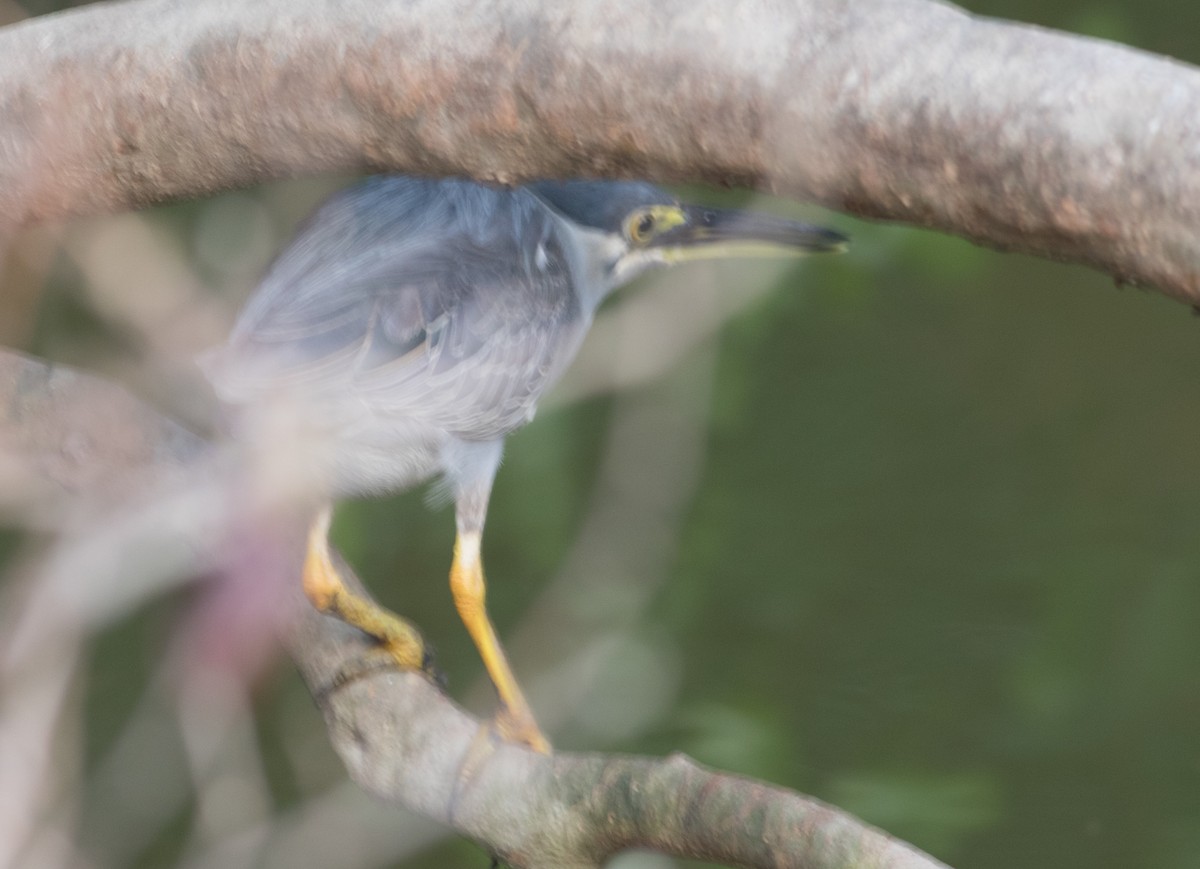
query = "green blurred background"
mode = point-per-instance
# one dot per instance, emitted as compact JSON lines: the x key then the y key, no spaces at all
{"x":926,"y":546}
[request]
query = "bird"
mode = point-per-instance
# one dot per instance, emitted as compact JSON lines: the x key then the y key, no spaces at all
{"x":418,"y":321}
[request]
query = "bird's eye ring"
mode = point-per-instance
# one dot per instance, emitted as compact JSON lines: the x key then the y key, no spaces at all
{"x":641,"y":227}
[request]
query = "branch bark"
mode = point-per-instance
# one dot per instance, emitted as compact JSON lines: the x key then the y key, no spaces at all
{"x":906,"y":110}
{"x":399,"y":736}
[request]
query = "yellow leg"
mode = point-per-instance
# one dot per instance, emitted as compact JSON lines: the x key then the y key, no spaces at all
{"x":324,"y":588}
{"x":514,"y":721}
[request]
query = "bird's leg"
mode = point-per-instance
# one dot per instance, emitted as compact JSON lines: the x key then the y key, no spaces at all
{"x":514,"y":721}
{"x":324,"y":588}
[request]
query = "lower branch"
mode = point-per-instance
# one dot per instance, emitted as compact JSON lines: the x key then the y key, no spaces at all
{"x":404,"y":740}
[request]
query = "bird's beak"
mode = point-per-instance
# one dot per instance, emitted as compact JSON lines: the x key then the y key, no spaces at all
{"x":708,"y":233}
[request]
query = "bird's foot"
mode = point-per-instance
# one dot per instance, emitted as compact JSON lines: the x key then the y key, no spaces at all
{"x":519,"y":728}
{"x":399,"y":640}
{"x":503,"y":727}
{"x":387,"y":656}
{"x":405,"y":649}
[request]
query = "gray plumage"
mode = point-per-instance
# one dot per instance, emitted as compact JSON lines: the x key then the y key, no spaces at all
{"x":417,"y":318}
{"x":417,"y":322}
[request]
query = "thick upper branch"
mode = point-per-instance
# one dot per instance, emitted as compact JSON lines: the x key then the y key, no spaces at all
{"x":900,"y":109}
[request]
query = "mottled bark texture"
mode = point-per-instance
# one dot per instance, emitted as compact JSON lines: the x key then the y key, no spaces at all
{"x":907,"y":110}
{"x":80,"y":438}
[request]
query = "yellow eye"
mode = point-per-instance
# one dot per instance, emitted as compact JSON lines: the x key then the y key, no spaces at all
{"x":641,"y":227}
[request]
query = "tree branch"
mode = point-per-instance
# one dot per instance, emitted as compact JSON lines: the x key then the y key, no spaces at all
{"x":404,"y":740}
{"x":906,"y":110}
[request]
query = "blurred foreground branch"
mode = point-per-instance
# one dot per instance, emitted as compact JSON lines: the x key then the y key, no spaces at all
{"x":908,"y":110}
{"x":404,"y":740}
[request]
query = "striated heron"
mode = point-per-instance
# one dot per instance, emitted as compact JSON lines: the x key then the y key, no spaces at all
{"x":420,"y":321}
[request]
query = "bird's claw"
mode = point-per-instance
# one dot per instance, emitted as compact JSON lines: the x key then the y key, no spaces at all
{"x":519,"y":730}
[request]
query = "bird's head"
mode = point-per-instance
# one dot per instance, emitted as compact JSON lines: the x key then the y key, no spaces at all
{"x":624,"y":227}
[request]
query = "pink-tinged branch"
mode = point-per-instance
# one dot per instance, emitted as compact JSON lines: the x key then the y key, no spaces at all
{"x":77,"y":437}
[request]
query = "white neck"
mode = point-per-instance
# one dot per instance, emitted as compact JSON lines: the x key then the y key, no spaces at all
{"x":600,"y":262}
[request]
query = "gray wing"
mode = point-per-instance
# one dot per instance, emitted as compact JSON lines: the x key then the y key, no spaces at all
{"x":462,"y":330}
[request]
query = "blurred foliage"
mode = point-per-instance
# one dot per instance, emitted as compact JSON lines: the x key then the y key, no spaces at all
{"x":941,"y":568}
